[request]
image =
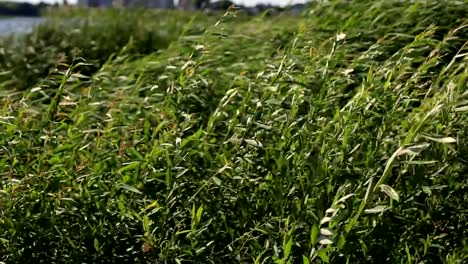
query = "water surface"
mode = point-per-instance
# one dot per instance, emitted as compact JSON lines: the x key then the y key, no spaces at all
{"x":18,"y":24}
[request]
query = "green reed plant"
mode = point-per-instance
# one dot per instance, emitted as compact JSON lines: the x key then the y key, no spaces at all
{"x":335,"y":137}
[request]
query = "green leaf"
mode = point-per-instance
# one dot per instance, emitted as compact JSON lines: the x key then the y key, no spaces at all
{"x":134,"y":153}
{"x":130,"y":188}
{"x":79,"y":76}
{"x":419,"y":162}
{"x":445,"y":140}
{"x":461,"y":109}
{"x":261,"y":231}
{"x":376,"y":210}
{"x":287,"y":248}
{"x":305,"y":260}
{"x":254,"y":143}
{"x":200,"y":250}
{"x":326,"y":232}
{"x":390,"y":192}
{"x":130,"y":166}
{"x":199,"y":213}
{"x":323,"y":255}
{"x":65,"y":147}
{"x":414,"y":149}
{"x":341,"y":241}
{"x":216,"y":180}
{"x":96,"y":245}
{"x":325,"y":241}
{"x":314,"y":234}
{"x":193,"y":137}
{"x":408,"y":254}
{"x":346,"y":197}
{"x":168,"y":179}
{"x":153,"y":205}
{"x":325,"y":220}
{"x":388,"y":168}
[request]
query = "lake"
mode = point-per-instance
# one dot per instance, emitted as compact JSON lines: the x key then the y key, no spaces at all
{"x":18,"y":24}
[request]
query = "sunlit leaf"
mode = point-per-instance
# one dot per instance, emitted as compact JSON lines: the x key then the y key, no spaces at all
{"x":390,"y":192}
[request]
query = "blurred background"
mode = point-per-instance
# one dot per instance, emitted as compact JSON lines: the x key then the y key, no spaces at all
{"x":23,"y":15}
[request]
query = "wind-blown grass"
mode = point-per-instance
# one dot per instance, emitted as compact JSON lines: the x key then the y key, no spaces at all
{"x":334,"y":137}
{"x":69,"y":34}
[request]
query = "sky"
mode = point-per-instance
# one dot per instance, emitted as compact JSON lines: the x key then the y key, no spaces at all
{"x":243,"y":2}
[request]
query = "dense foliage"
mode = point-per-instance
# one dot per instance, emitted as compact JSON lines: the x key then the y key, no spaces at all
{"x":166,"y":137}
{"x":96,"y":37}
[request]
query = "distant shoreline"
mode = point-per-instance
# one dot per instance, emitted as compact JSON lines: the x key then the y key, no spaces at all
{"x":13,"y":9}
{"x":18,"y":24}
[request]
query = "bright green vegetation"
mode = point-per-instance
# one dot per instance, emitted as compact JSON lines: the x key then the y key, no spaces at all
{"x":155,"y":137}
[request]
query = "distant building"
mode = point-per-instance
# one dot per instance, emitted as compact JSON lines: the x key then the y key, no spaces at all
{"x":150,"y":3}
{"x":219,"y":5}
{"x":297,"y":9}
{"x":95,"y":3}
{"x":194,"y":4}
{"x":129,"y":3}
{"x":186,"y":5}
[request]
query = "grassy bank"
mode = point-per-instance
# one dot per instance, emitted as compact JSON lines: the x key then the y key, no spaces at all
{"x":166,"y":137}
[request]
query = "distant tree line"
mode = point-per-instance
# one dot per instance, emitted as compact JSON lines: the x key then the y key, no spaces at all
{"x":259,"y":8}
{"x":21,"y":9}
{"x":27,"y":9}
{"x":201,"y":3}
